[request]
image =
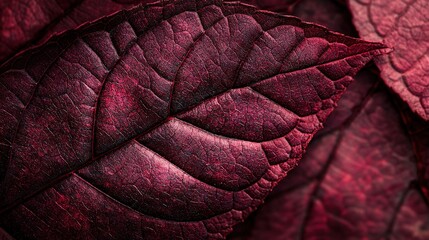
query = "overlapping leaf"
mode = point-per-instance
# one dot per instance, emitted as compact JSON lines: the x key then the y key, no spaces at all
{"x":418,"y":131}
{"x":345,"y":187}
{"x":403,"y":25}
{"x":358,"y":179}
{"x":327,"y":13}
{"x":26,"y":23}
{"x":279,"y":6}
{"x":170,"y":120}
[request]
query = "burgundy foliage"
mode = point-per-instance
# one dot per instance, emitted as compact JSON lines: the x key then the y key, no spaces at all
{"x":172,"y":120}
{"x":345,"y":188}
{"x":418,"y":131}
{"x":4,"y":235}
{"x":402,"y":25}
{"x":358,"y":179}
{"x":279,"y":6}
{"x":328,"y":13}
{"x":27,"y":22}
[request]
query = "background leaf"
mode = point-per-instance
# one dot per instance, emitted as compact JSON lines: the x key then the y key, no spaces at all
{"x":403,"y":26}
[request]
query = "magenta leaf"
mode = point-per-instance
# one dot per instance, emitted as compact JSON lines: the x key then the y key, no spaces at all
{"x":403,"y":26}
{"x":357,"y":181}
{"x":25,"y":22}
{"x":172,"y":120}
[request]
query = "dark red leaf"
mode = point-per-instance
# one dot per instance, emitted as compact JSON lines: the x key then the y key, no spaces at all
{"x":418,"y":130}
{"x":328,"y":13}
{"x":280,"y":6}
{"x":26,"y":22}
{"x":4,"y":235}
{"x":403,"y":26}
{"x":355,"y":182}
{"x":163,"y":122}
{"x":292,"y":209}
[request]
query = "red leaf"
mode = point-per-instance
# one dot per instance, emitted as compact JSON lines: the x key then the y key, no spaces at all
{"x":291,"y":210}
{"x":280,"y":6}
{"x":403,"y":26}
{"x":167,"y":121}
{"x":328,"y":13}
{"x":4,"y":235}
{"x":419,"y":135}
{"x":26,"y":22}
{"x":355,"y":182}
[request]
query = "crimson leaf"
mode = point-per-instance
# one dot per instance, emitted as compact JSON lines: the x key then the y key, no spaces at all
{"x":280,"y":6}
{"x":289,"y":211}
{"x":328,"y":13}
{"x":4,"y":235}
{"x":418,"y":131}
{"x":26,"y":22}
{"x":403,"y":26}
{"x":345,"y":187}
{"x":168,"y":121}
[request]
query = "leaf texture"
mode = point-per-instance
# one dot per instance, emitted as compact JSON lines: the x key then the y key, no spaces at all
{"x":279,"y":6}
{"x":25,"y":22}
{"x":418,"y":131}
{"x":357,"y":181}
{"x":168,"y":120}
{"x":403,"y":26}
{"x":4,"y":235}
{"x":328,"y":13}
{"x":343,"y":187}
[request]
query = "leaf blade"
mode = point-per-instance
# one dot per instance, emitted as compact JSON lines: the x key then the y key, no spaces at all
{"x":402,"y":27}
{"x":81,"y":74}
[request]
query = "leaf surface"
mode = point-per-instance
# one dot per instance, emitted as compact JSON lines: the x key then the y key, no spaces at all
{"x":168,"y":120}
{"x":4,"y":235}
{"x":328,"y":13}
{"x":418,"y":131}
{"x":403,"y":26}
{"x":279,"y":6}
{"x":345,"y":187}
{"x":27,"y":23}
